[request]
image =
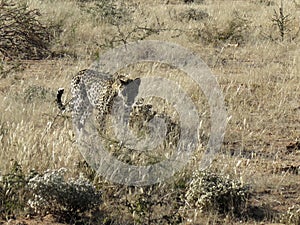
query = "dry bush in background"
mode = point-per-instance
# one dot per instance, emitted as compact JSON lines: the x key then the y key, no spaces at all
{"x":236,"y":30}
{"x":108,"y":12}
{"x":22,"y":36}
{"x":285,"y":23}
{"x":192,"y":14}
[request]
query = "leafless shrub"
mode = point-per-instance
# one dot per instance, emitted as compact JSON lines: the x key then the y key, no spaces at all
{"x":135,"y":33}
{"x":281,"y":21}
{"x":22,"y":35}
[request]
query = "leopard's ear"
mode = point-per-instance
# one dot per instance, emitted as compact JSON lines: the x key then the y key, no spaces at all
{"x":137,"y":81}
{"x":124,"y":80}
{"x":127,"y":81}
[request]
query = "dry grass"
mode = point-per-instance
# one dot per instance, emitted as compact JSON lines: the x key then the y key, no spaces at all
{"x":259,"y":78}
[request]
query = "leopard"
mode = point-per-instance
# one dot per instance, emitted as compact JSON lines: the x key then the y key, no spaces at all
{"x":93,"y":90}
{"x":94,"y":93}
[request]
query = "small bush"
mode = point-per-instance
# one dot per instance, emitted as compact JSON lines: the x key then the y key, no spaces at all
{"x":8,"y":68}
{"x":236,"y":30}
{"x":22,"y":35}
{"x":156,"y":204}
{"x":108,"y":11}
{"x":264,"y":2}
{"x":208,"y":191}
{"x":193,"y":15}
{"x":52,"y":194}
{"x":194,"y":1}
{"x":281,"y":21}
{"x":12,"y":192}
{"x":34,"y":92}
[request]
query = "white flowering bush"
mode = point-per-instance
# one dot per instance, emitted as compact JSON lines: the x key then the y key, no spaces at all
{"x":51,"y":193}
{"x":209,"y":191}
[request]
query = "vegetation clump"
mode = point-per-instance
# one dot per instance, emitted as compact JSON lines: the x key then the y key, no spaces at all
{"x":12,"y":192}
{"x":236,"y":30}
{"x":209,"y":191}
{"x":22,"y":35}
{"x":44,"y":193}
{"x":108,"y":12}
{"x":52,"y":194}
{"x":193,"y":15}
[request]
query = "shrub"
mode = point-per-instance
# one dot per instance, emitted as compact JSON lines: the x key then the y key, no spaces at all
{"x":22,"y":35}
{"x":12,"y":192}
{"x":281,"y":21}
{"x":194,"y":1}
{"x":264,"y":2}
{"x":156,"y":204}
{"x":109,"y":12}
{"x":34,"y":92}
{"x":52,"y":194}
{"x":8,"y":68}
{"x":193,"y":14}
{"x":236,"y":30}
{"x":209,"y":191}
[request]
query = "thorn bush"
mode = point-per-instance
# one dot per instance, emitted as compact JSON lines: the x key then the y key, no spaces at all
{"x":22,"y":35}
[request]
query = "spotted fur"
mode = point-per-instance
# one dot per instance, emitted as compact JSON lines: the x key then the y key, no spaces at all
{"x":93,"y":90}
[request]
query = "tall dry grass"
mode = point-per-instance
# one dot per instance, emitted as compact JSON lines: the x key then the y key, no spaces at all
{"x":259,"y":78}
